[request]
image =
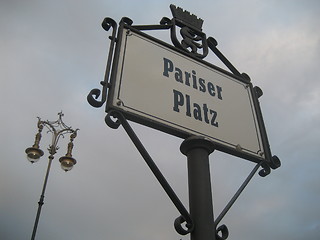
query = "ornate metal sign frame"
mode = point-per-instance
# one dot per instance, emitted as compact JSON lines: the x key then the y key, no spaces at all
{"x":194,"y":45}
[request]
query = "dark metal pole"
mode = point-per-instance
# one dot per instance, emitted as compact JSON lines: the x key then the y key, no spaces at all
{"x":197,"y":150}
{"x":41,"y":201}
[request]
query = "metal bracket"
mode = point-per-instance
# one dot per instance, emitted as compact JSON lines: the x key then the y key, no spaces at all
{"x":95,"y":93}
{"x":185,"y":216}
{"x":119,"y":119}
{"x":223,"y":228}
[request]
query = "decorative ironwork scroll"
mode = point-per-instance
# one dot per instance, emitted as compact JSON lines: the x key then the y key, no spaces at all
{"x":114,"y":120}
{"x":95,"y":93}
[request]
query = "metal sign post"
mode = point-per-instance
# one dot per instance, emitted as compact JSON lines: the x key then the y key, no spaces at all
{"x":197,"y":150}
{"x":173,"y":89}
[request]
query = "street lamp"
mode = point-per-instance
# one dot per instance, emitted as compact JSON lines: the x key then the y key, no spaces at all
{"x":58,"y":128}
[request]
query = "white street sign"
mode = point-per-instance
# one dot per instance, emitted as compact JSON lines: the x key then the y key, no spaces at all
{"x":164,"y":87}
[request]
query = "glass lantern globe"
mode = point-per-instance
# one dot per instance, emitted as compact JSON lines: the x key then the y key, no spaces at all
{"x":33,"y":154}
{"x":67,"y":163}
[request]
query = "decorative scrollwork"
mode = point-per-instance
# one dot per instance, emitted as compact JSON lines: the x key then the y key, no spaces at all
{"x":275,"y":162}
{"x":166,"y":21}
{"x":246,"y":77}
{"x":107,"y":23}
{"x":265,"y":170}
{"x":212,"y":42}
{"x":126,"y":20}
{"x":111,"y":122}
{"x":178,"y":226}
{"x":223,"y":230}
{"x":58,"y":129}
{"x":94,"y":94}
{"x":258,"y":91}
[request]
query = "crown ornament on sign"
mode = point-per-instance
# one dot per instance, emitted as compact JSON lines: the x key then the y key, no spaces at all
{"x":185,"y":17}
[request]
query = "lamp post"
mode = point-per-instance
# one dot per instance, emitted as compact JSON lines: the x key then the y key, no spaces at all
{"x":57,"y":128}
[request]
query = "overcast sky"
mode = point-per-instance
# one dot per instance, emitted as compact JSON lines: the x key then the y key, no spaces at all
{"x":52,"y":53}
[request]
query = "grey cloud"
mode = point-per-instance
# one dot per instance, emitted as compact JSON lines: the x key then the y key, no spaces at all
{"x":54,"y":53}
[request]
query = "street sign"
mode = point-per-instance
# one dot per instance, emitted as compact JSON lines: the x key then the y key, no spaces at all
{"x":159,"y":86}
{"x":173,"y":89}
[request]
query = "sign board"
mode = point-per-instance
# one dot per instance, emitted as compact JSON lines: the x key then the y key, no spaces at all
{"x":159,"y":86}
